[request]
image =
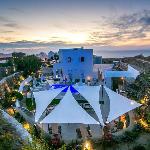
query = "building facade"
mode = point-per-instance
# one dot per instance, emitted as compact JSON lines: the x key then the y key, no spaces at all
{"x":74,"y":64}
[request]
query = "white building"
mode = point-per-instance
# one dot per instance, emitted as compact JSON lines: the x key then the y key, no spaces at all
{"x":77,"y":64}
{"x":43,"y":56}
{"x":5,"y":56}
{"x":74,"y":64}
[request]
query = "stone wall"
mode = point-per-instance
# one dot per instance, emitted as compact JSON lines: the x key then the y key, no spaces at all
{"x":7,"y":83}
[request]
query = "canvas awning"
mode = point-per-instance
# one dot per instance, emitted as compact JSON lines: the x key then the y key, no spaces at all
{"x":107,"y":104}
{"x":69,"y":111}
{"x":43,"y":99}
{"x":119,"y":104}
{"x":130,"y":73}
{"x":114,"y":103}
{"x":91,"y":94}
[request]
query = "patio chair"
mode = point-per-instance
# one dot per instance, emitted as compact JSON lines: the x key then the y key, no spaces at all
{"x":84,"y":132}
{"x":54,"y":128}
{"x":79,"y":135}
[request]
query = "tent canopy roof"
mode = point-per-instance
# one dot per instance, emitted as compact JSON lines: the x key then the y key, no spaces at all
{"x":43,"y":99}
{"x":91,"y":94}
{"x":69,"y":111}
{"x":119,"y":104}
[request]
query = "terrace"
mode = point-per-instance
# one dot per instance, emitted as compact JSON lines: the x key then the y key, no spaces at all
{"x":51,"y":104}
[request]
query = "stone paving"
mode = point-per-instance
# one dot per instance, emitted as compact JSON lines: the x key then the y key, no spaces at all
{"x":68,"y":131}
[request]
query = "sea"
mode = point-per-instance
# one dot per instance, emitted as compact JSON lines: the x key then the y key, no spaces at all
{"x":104,"y":54}
{"x":123,"y":53}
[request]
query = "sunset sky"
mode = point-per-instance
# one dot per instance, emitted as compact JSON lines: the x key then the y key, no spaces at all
{"x":103,"y":24}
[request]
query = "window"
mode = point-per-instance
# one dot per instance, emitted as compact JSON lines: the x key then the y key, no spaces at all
{"x":101,"y":102}
{"x":77,"y":80}
{"x":83,"y":80}
{"x":69,"y":59}
{"x":82,"y":59}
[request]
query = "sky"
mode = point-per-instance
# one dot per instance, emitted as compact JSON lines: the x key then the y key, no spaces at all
{"x":31,"y":25}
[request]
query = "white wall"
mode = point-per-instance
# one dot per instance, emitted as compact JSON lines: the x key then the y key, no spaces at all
{"x":77,"y":68}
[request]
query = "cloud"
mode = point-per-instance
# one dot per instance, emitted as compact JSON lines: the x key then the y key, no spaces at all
{"x":36,"y":44}
{"x":17,"y":10}
{"x":7,"y":22}
{"x":123,"y":28}
{"x":6,"y":31}
{"x":28,"y":44}
{"x":126,"y":29}
{"x":138,"y":22}
{"x":5,"y":19}
{"x":12,"y":25}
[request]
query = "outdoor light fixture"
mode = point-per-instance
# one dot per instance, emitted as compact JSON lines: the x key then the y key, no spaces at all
{"x":106,"y":122}
{"x":88,"y":78}
{"x":87,"y":145}
{"x":122,"y":78}
{"x":26,"y":83}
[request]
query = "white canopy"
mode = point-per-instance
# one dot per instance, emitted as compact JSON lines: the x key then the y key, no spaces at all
{"x":69,"y":111}
{"x":43,"y":99}
{"x":130,"y":73}
{"x":91,"y":94}
{"x":119,"y":104}
{"x":24,"y":82}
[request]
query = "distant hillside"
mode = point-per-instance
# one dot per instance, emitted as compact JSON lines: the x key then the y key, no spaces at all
{"x":139,"y":62}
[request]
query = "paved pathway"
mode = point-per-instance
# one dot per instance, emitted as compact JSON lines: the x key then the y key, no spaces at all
{"x":26,"y":114}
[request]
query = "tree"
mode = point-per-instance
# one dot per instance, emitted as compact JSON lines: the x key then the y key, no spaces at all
{"x":28,"y":64}
{"x":140,"y":88}
{"x":56,"y":57}
{"x":30,"y":103}
{"x":17,"y":95}
{"x":9,"y":98}
{"x":140,"y":91}
{"x":139,"y":147}
{"x":18,"y":54}
{"x":120,"y":125}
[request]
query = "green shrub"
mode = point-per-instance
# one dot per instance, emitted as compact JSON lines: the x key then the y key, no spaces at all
{"x":9,"y":138}
{"x":17,"y":95}
{"x":55,"y":101}
{"x":139,"y":147}
{"x":120,"y":125}
{"x":130,"y":136}
{"x":30,"y":104}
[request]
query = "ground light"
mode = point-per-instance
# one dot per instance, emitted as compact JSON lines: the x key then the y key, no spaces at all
{"x":87,"y":145}
{"x":26,"y":126}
